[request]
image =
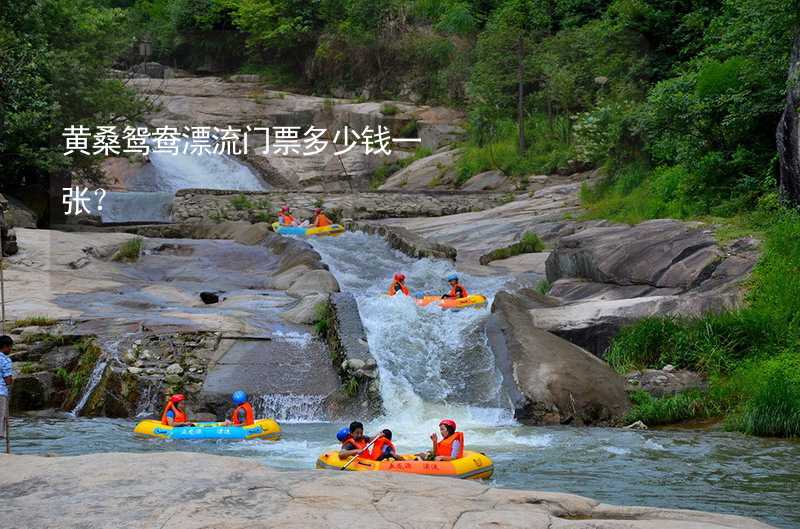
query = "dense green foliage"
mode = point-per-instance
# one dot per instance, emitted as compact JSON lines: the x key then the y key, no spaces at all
{"x":751,"y":355}
{"x":54,"y":56}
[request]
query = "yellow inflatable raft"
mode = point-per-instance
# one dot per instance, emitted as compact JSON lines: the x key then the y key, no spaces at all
{"x":261,"y":429}
{"x":306,"y":231}
{"x":474,"y":465}
{"x":471,"y":301}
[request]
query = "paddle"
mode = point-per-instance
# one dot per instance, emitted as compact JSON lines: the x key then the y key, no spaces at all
{"x":360,"y":452}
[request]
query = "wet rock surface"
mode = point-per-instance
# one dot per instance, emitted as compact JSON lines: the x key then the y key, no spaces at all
{"x":235,"y":493}
{"x":554,"y":381}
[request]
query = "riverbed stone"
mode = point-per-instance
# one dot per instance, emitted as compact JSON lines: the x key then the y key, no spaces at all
{"x":236,"y":493}
{"x":174,"y":369}
{"x":665,"y":382}
{"x":426,"y":173}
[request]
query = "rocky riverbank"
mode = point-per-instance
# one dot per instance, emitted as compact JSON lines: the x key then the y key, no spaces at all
{"x":152,"y":490}
{"x":203,"y":309}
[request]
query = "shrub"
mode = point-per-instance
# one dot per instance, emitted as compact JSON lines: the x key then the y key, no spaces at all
{"x":130,"y":250}
{"x":389,"y":109}
{"x":529,"y":243}
{"x":241,"y":202}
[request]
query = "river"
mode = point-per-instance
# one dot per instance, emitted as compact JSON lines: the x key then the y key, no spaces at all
{"x":436,"y":364}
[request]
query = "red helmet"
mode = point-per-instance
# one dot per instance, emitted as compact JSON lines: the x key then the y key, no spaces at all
{"x":285,"y":208}
{"x":400,"y":277}
{"x":317,"y":210}
{"x":177,"y":398}
{"x":448,"y":422}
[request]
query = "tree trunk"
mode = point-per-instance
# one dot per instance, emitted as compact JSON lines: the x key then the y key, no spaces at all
{"x":521,"y":94}
{"x":788,"y":134}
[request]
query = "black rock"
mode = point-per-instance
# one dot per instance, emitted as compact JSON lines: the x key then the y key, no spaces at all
{"x":209,"y":298}
{"x":788,"y":133}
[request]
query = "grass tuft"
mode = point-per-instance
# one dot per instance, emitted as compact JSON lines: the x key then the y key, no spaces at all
{"x":129,"y":251}
{"x":530,"y":243}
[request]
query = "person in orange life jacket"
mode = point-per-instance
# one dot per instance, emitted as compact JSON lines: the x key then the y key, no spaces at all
{"x":398,"y":285}
{"x":355,"y":442}
{"x":384,"y":448}
{"x":285,"y":217}
{"x":320,"y":219}
{"x":174,"y":413}
{"x":243,"y":414}
{"x":450,"y":447}
{"x":457,"y":291}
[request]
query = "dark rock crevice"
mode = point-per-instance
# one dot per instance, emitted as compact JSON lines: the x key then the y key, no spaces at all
{"x":788,"y":133}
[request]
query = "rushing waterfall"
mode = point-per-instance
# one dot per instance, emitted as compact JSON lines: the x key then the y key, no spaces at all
{"x":94,"y":380}
{"x":151,"y":191}
{"x":150,"y":399}
{"x":290,"y":408}
{"x":433,"y":363}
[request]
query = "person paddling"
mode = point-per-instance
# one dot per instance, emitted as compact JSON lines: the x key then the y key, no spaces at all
{"x":398,"y":285}
{"x":243,"y":414}
{"x":450,"y":447}
{"x":355,"y":441}
{"x":174,"y":413}
{"x":320,"y":219}
{"x":285,"y":217}
{"x":457,"y":291}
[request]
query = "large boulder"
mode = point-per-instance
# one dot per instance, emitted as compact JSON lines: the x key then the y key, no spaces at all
{"x":425,"y":173}
{"x":608,"y":276}
{"x":305,"y":310}
{"x":196,"y":490}
{"x":788,"y":133}
{"x":314,"y":282}
{"x":551,"y":380}
{"x":32,"y":391}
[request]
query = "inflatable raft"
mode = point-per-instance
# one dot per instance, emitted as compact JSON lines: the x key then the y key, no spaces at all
{"x":262,"y":429}
{"x":305,"y":231}
{"x":474,"y":465}
{"x":474,"y":301}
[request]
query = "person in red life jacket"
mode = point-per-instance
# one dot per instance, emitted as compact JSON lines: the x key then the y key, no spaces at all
{"x":383,"y":447}
{"x":243,"y":414}
{"x":320,"y":219}
{"x":355,"y":442}
{"x":174,"y":413}
{"x":398,"y":285}
{"x":457,"y":291}
{"x":450,"y":447}
{"x":285,"y":217}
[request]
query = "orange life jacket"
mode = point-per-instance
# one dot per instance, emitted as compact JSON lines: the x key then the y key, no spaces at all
{"x":377,"y":448}
{"x":360,"y":444}
{"x":321,"y":220}
{"x":395,"y":286}
{"x":249,"y":416}
{"x":286,"y":219}
{"x":179,"y":415}
{"x":445,"y":446}
{"x":454,"y":292}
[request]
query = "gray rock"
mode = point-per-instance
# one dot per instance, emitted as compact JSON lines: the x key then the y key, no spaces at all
{"x":173,"y":379}
{"x":31,"y":391}
{"x":788,"y":132}
{"x":305,"y":311}
{"x":425,"y":173}
{"x":174,"y":369}
{"x":436,"y":135}
{"x":665,"y":382}
{"x":64,"y":493}
{"x":554,"y":381}
{"x":134,"y":370}
{"x":314,"y":282}
{"x":353,"y":364}
{"x":638,"y":425}
{"x":488,"y":180}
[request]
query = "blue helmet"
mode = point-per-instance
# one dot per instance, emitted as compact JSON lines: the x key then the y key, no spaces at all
{"x":452,"y":277}
{"x":239,"y":397}
{"x":343,"y":434}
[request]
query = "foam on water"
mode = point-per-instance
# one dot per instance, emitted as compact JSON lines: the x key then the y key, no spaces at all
{"x":433,"y":363}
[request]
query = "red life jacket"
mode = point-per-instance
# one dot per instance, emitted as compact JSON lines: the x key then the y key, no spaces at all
{"x":395,"y":286}
{"x":445,"y":446}
{"x":454,"y":292}
{"x":179,"y":415}
{"x":377,"y":448}
{"x":249,"y":416}
{"x":286,"y":219}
